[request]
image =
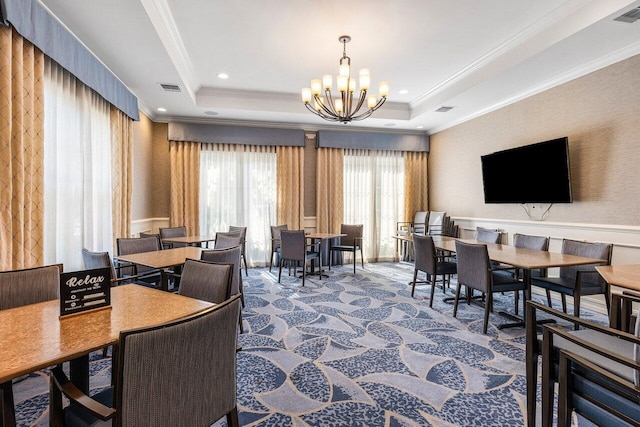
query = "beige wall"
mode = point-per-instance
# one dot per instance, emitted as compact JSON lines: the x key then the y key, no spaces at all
{"x":150,"y":170}
{"x":598,"y":112}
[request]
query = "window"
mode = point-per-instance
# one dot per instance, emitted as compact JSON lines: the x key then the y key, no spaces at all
{"x":77,"y":162}
{"x":238,"y":187}
{"x":374,"y":196}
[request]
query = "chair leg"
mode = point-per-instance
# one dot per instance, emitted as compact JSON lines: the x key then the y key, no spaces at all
{"x":271,"y":261}
{"x":516,"y":301}
{"x":246,"y":269}
{"x":304,"y":271}
{"x":455,"y":303}
{"x":564,"y":302}
{"x":487,"y":308}
{"x":354,"y":260}
{"x":320,"y":267}
{"x":361,"y":257}
{"x":413,"y":284}
{"x":433,"y":280}
{"x":549,"y":298}
{"x":280,"y":270}
{"x":232,"y":418}
{"x":576,"y":306}
{"x":240,"y":323}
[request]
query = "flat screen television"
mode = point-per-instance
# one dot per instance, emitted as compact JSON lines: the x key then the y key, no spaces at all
{"x":536,"y":173}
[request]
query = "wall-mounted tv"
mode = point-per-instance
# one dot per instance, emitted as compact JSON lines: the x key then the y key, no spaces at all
{"x":536,"y":173}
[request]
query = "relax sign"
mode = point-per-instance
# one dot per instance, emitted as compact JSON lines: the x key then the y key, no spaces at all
{"x":85,"y":290}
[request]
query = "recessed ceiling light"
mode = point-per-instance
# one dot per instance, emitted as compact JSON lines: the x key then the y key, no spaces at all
{"x":211,"y":113}
{"x":403,"y":92}
{"x":223,"y":75}
{"x":162,"y":110}
{"x":390,"y":125}
{"x":420,"y":127}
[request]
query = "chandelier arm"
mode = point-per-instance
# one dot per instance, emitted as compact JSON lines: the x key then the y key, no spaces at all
{"x":328,"y":108}
{"x":321,"y":115}
{"x":363,"y":115}
{"x":370,"y":111}
{"x":310,"y":108}
{"x":363,"y":95}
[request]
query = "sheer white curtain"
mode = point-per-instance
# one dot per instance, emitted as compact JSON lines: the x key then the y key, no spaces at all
{"x":77,"y":167}
{"x":374,"y":196}
{"x":238,"y":187}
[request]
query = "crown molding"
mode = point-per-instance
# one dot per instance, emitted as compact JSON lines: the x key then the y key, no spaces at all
{"x":583,"y":70}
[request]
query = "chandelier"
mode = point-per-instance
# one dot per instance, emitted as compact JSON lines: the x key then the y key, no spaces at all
{"x":344,"y":108}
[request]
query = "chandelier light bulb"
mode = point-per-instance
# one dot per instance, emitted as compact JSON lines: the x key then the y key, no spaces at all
{"x":365,"y":79}
{"x":383,"y":89}
{"x":316,"y":87}
{"x":343,"y":83}
{"x":306,"y":95}
{"x":327,"y":81}
{"x":352,"y":85}
{"x":343,"y":106}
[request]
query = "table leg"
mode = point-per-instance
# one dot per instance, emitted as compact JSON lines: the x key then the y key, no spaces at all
{"x":7,"y":405}
{"x":79,"y":373}
{"x":164,"y":280}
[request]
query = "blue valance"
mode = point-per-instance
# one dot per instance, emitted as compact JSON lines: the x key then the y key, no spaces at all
{"x":221,"y":134}
{"x":373,"y":140}
{"x":35,"y":24}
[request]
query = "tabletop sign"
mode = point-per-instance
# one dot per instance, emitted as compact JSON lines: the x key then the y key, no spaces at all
{"x":85,"y":290}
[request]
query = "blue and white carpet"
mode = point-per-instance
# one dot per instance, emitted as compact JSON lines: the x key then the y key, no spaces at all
{"x":357,"y":350}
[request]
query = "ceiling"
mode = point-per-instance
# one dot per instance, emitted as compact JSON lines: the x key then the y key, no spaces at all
{"x":475,"y":56}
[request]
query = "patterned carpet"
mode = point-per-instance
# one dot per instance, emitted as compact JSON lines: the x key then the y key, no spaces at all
{"x":357,"y":350}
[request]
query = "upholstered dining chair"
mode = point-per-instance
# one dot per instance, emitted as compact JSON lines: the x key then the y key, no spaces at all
{"x":243,"y":243}
{"x":94,"y":259}
{"x":488,"y":235}
{"x":417,"y":226}
{"x":275,"y":242}
{"x":226,"y":240}
{"x":576,"y":281}
{"x":168,"y":232}
{"x":190,"y":381}
{"x":228,"y":256}
{"x":156,"y":235}
{"x":294,"y":247}
{"x":600,"y":378}
{"x":526,"y":241}
{"x":428,"y":261}
{"x":475,"y":272}
{"x":436,"y":223}
{"x":206,"y":280}
{"x":134,"y":245}
{"x":18,"y":288}
{"x":352,"y":242}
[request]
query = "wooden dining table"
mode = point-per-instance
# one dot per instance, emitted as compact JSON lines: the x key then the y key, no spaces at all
{"x":626,"y":277}
{"x":34,"y":337}
{"x":522,"y":258}
{"x":321,"y":237}
{"x":162,"y":260}
{"x":190,"y":240}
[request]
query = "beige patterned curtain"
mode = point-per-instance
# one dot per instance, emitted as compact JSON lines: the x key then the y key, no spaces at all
{"x":185,"y":185}
{"x":290,"y":187}
{"x":122,"y":173}
{"x":21,"y":151}
{"x":415,"y":184}
{"x":329,"y":192}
